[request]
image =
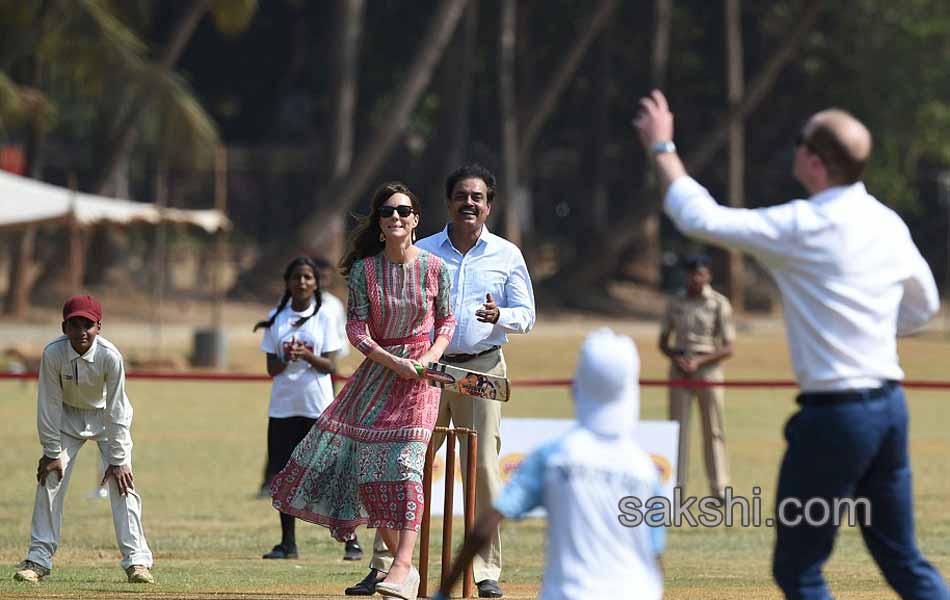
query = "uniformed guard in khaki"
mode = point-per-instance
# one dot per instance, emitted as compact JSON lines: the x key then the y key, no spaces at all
{"x":699,"y":321}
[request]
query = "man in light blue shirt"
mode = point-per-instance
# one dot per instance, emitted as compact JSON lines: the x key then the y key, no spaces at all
{"x":580,"y":479}
{"x":491,"y":298}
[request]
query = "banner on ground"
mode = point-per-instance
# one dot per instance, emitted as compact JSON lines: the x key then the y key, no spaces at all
{"x":520,"y":437}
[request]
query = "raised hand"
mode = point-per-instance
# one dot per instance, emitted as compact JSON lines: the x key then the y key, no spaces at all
{"x":654,"y":121}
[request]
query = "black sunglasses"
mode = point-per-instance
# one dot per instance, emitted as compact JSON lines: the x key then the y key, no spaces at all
{"x":404,"y":211}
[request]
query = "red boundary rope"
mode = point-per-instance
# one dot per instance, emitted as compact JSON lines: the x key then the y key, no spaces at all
{"x":523,"y":383}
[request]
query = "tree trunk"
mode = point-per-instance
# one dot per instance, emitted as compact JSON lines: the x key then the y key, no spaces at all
{"x":600,"y":137}
{"x":581,"y":274}
{"x":341,"y":194}
{"x":662,"y":30}
{"x":759,"y":88}
{"x":448,"y":148}
{"x":563,"y":75}
{"x":123,"y":134}
{"x":736,"y":185}
{"x":514,"y":211}
{"x":345,"y":84}
{"x":22,"y":272}
{"x":648,"y":247}
{"x":160,"y":261}
{"x":110,"y":243}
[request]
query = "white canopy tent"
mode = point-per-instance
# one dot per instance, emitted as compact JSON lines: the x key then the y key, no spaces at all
{"x":26,"y":201}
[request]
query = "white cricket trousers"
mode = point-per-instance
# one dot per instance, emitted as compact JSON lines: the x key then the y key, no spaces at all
{"x":77,"y":427}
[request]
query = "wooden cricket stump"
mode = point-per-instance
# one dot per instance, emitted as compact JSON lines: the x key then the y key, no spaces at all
{"x":451,"y":433}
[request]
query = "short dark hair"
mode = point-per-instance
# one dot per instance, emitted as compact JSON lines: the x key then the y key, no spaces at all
{"x":841,"y":165}
{"x":470,"y":171}
{"x":696,"y":262}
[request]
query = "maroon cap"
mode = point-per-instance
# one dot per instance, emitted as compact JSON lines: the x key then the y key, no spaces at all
{"x":82,"y":306}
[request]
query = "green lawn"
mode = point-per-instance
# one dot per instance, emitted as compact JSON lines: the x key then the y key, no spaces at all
{"x":199,"y":454}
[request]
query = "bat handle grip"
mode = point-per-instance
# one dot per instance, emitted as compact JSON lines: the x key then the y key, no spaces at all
{"x":420,"y":370}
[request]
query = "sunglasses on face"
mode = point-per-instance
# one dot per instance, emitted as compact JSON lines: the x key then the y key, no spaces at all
{"x":403,"y":210}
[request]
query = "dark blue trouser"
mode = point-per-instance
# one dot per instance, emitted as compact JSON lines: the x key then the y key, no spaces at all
{"x":853,"y":449}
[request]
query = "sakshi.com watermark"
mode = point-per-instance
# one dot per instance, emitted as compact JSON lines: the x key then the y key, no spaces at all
{"x":741,"y":511}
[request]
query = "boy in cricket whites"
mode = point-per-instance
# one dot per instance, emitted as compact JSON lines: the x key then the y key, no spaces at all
{"x":82,"y":397}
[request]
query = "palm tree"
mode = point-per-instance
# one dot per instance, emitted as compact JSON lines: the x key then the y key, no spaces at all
{"x":68,"y":66}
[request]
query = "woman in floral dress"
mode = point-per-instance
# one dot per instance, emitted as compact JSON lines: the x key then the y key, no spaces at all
{"x":362,"y":462}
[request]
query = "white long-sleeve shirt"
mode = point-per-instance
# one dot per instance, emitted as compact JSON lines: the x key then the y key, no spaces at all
{"x":492,"y":265}
{"x":92,"y":381}
{"x":850,"y":275}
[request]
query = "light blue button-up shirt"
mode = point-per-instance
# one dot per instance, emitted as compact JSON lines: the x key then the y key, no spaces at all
{"x":493,"y":265}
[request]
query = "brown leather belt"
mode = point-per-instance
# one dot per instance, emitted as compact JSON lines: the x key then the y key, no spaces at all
{"x":460,"y":358}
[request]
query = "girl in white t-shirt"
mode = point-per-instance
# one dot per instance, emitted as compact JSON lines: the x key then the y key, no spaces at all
{"x":301,"y":343}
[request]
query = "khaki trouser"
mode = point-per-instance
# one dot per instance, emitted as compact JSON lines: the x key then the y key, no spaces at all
{"x":714,"y":427}
{"x":484,"y":416}
{"x":77,"y":427}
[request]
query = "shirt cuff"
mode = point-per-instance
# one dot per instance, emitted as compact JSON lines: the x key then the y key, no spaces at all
{"x":51,"y":451}
{"x":118,"y":457}
{"x":506,"y":320}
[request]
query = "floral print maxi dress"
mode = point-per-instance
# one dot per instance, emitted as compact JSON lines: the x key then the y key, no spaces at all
{"x":362,"y":461}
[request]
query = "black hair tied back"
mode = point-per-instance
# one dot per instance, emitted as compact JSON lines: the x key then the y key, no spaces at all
{"x":300,"y":260}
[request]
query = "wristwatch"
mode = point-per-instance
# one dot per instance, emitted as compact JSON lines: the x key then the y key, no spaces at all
{"x":662,"y":147}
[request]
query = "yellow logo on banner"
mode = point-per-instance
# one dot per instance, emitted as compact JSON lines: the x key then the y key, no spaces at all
{"x":438,"y":469}
{"x":663,"y":467}
{"x":508,"y":464}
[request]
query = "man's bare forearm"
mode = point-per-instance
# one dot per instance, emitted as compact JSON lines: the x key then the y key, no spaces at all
{"x":669,"y":168}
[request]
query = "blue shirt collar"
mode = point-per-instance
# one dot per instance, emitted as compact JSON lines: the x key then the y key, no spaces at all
{"x":445,"y":240}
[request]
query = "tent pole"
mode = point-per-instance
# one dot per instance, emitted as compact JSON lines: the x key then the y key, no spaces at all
{"x":218,"y":262}
{"x":77,"y":251}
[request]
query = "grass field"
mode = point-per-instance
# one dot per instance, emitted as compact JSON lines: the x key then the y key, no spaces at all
{"x":199,"y":454}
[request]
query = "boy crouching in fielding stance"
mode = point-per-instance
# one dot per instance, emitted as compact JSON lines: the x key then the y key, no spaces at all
{"x":82,"y":397}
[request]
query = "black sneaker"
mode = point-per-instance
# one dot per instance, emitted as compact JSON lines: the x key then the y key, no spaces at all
{"x":281,"y":551}
{"x":366,"y":587}
{"x":353,"y":550}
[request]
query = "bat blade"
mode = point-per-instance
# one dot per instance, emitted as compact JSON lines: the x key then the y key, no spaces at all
{"x":468,"y":382}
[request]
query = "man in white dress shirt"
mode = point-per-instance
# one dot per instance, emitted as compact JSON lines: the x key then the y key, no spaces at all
{"x":491,"y":298}
{"x":852,"y":280}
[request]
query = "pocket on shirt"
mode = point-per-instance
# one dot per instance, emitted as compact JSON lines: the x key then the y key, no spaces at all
{"x":67,"y":374}
{"x":494,"y":282}
{"x":703,"y":323}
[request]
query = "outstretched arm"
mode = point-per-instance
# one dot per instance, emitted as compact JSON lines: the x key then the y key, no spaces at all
{"x":765,"y":233}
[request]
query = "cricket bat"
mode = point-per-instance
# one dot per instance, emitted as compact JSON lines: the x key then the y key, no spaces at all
{"x":467,"y":382}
